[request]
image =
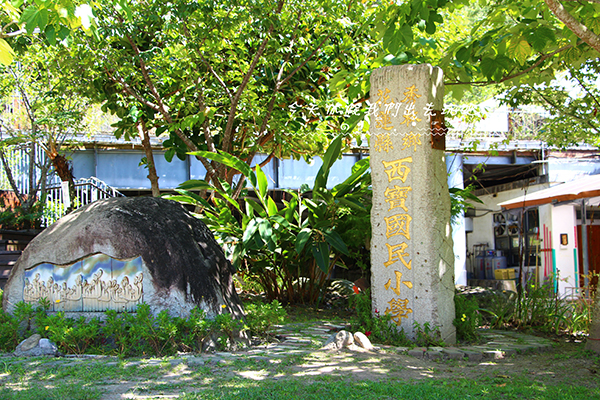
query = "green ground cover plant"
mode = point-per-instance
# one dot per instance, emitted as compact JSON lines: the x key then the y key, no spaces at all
{"x":350,"y":389}
{"x":261,"y":317}
{"x":91,"y":380}
{"x":134,"y":334}
{"x":378,"y":327}
{"x":467,"y":320}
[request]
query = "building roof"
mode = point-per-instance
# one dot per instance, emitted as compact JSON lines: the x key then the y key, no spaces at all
{"x":583,"y":188}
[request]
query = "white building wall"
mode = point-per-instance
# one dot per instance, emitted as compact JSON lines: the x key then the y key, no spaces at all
{"x":454,"y":165}
{"x":483,"y":224}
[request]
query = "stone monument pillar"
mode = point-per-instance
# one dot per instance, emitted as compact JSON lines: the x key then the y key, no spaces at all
{"x":412,"y":261}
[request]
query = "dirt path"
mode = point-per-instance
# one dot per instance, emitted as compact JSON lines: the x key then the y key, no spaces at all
{"x":299,"y":358}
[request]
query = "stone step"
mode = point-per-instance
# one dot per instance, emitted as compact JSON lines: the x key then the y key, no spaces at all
{"x":13,"y":244}
{"x":26,"y":235}
{"x":7,"y":256}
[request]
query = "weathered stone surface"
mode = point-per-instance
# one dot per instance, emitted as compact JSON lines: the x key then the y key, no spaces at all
{"x":344,"y":339}
{"x":182,"y":264}
{"x":338,"y":341}
{"x":473,"y":355}
{"x":29,"y":343}
{"x":412,"y":260}
{"x":494,"y":354}
{"x":418,"y":352}
{"x":453,"y":353}
{"x":36,"y":346}
{"x":363,"y":341}
{"x":433,"y":354}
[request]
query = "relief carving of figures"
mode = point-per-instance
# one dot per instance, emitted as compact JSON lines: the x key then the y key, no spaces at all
{"x":103,"y":290}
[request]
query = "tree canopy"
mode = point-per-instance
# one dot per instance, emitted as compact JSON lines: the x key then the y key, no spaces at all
{"x":241,"y":78}
{"x":521,"y":48}
{"x":283,"y":78}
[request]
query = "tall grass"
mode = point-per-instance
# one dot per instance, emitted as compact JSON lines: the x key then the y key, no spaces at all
{"x":539,"y":308}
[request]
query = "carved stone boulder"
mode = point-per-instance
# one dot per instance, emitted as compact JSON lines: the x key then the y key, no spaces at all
{"x":121,"y":252}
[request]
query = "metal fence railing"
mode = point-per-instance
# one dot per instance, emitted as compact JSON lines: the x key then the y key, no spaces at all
{"x":87,"y":190}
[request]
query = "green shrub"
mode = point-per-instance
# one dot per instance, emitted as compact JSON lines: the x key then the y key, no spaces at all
{"x":380,"y":328}
{"x":193,"y":330}
{"x":287,"y":249}
{"x":226,"y":327}
{"x":142,"y":333}
{"x":124,"y":334}
{"x":537,"y":307}
{"x":9,"y":332}
{"x":69,"y":335}
{"x":18,"y":326}
{"x":261,"y":317}
{"x":427,"y":335}
{"x":467,"y":318}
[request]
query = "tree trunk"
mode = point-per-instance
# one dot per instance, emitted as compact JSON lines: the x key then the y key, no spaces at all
{"x":10,"y":177}
{"x":152,"y":176}
{"x":65,"y":173}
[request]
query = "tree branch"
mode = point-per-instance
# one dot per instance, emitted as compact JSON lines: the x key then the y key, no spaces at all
{"x":11,"y":179}
{"x":152,"y":175}
{"x":129,"y":90}
{"x":585,"y":88}
{"x":299,"y":67}
{"x":161,"y":106}
{"x":227,"y":134}
{"x":552,"y":104}
{"x":205,"y":62}
{"x":574,"y":24}
{"x":588,"y":1}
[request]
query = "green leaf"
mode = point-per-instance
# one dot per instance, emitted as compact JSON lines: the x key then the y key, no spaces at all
{"x":250,"y":230}
{"x":195,"y":197}
{"x":199,"y":184}
{"x":302,"y":239}
{"x":195,"y":184}
{"x":51,"y":34}
{"x":520,"y":50}
{"x":321,"y":254}
{"x":352,"y":203}
{"x":230,"y":161}
{"x":6,"y":53}
{"x":265,"y":230}
{"x":330,"y":157}
{"x":169,"y":154}
{"x":406,"y":34}
{"x":34,"y":18}
{"x":488,"y":67}
{"x":336,"y":241}
{"x":392,"y":40}
{"x":358,"y":170}
{"x":271,"y":206}
{"x":291,"y":207}
{"x":463,"y":54}
{"x":256,"y":206}
{"x":314,"y":208}
{"x":281,"y":221}
{"x":263,"y":184}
